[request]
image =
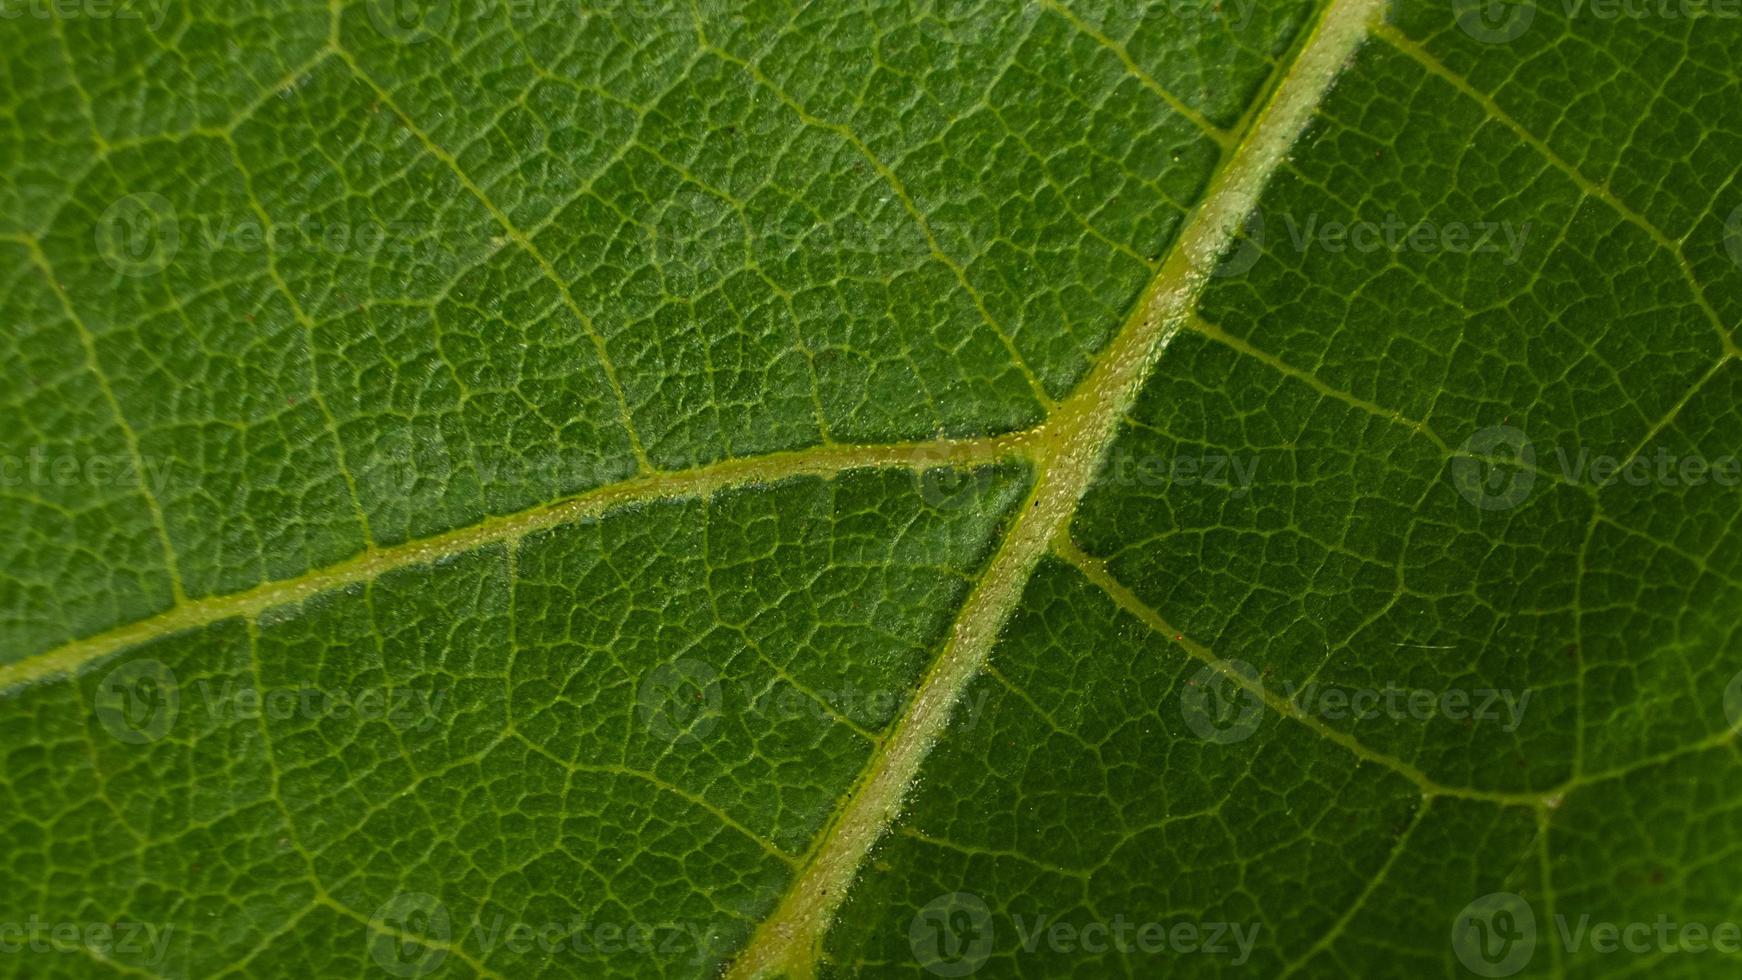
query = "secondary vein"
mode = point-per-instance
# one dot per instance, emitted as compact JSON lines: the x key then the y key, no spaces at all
{"x":823,"y":461}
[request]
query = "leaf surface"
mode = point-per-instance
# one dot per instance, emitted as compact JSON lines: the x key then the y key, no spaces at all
{"x":690,"y":489}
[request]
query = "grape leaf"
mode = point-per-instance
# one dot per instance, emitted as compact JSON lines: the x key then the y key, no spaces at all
{"x":521,"y":488}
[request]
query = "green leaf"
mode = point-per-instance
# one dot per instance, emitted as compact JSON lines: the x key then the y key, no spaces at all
{"x":528,"y":489}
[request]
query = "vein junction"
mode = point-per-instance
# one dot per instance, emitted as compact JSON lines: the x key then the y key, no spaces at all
{"x":1073,"y":442}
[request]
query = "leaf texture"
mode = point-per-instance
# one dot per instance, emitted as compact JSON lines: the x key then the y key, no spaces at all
{"x":886,"y":489}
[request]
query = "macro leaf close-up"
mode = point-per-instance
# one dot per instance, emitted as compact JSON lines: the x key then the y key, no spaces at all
{"x":807,"y":489}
